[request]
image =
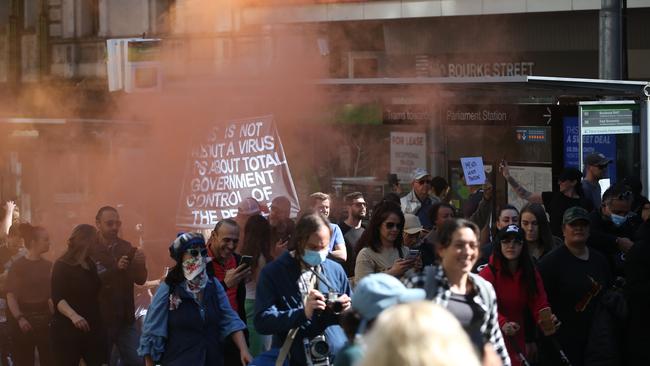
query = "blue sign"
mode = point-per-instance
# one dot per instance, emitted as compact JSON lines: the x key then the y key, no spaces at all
{"x":604,"y":144}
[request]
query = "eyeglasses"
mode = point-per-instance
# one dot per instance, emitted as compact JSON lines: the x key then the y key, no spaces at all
{"x":511,"y":242}
{"x":391,"y":225}
{"x":194,"y":252}
{"x":360,"y":204}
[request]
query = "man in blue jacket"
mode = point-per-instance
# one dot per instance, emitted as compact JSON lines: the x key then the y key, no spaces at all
{"x":291,"y":293}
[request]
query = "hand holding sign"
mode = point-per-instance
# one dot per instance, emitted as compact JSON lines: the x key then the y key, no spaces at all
{"x":473,"y":170}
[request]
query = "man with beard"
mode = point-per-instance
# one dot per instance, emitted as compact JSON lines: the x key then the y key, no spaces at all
{"x":119,"y":266}
{"x":282,"y":226}
{"x":352,"y":228}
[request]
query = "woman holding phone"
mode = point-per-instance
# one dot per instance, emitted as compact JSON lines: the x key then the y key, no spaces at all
{"x":382,"y":248}
{"x":256,"y":252}
{"x":519,"y":288}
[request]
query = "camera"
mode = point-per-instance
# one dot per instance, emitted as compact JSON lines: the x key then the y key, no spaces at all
{"x":331,"y":299}
{"x":317,"y":351}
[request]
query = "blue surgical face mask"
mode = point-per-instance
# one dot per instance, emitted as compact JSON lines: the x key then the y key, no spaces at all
{"x":314,"y":258}
{"x":618,"y":220}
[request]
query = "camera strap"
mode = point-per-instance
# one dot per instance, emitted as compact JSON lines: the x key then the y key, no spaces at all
{"x":323,"y":279}
{"x":286,"y":346}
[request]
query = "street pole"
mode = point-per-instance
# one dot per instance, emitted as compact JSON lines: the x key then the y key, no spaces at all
{"x":14,"y":37}
{"x":610,"y":36}
{"x":43,"y":40}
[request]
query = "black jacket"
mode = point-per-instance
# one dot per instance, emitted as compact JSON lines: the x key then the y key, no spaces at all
{"x":116,"y":296}
{"x":603,"y":237}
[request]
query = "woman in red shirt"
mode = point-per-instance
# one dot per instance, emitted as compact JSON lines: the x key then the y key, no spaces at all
{"x":518,"y":286}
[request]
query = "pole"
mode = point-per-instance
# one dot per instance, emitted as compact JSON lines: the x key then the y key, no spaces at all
{"x":610,"y":36}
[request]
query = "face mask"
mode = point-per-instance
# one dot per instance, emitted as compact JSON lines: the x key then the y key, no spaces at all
{"x":618,"y":220}
{"x":314,"y":258}
{"x":193,"y":266}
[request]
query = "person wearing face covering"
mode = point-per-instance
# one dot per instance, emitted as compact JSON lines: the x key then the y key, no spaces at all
{"x":190,"y":316}
{"x":614,"y":227}
{"x":291,"y":301}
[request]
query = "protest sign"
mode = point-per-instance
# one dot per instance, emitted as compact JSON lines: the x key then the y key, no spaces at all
{"x":473,"y":170}
{"x":237,"y":159}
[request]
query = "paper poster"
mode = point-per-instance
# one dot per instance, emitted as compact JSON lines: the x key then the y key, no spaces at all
{"x":473,"y":170}
{"x":235,"y":160}
{"x":533,"y":178}
{"x":408,"y":151}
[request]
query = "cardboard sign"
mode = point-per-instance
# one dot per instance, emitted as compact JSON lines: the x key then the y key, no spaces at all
{"x":473,"y":170}
{"x":236,"y":160}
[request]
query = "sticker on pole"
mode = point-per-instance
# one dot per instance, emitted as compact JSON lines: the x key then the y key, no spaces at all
{"x":473,"y":170}
{"x":235,"y":160}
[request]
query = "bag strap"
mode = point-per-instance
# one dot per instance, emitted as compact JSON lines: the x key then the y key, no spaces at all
{"x":430,"y":282}
{"x":286,"y":346}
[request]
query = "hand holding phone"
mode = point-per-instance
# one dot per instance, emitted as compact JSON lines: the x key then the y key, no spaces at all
{"x":246,"y":260}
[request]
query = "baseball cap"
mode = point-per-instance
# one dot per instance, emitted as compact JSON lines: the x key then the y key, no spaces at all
{"x":378,"y":292}
{"x":419,"y":173}
{"x":510,"y":230}
{"x":597,"y":159}
{"x":183,"y":242}
{"x":573,"y":214}
{"x":570,"y":174}
{"x":412,"y":224}
{"x":249,"y":206}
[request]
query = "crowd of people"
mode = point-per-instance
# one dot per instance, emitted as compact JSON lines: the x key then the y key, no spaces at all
{"x":413,"y":280}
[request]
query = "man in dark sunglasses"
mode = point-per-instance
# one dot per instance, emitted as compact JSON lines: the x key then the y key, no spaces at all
{"x":119,"y":266}
{"x":595,"y":169}
{"x":418,"y":202}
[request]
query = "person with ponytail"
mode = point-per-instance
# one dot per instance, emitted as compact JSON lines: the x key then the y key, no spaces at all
{"x":190,"y":316}
{"x":28,"y":297}
{"x":77,"y":330}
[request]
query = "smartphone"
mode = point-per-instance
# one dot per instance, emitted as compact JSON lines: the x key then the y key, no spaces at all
{"x":246,"y":259}
{"x":413,"y":253}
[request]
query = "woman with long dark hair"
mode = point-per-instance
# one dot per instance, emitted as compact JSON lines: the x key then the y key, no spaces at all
{"x":28,"y":297}
{"x":381,"y":246}
{"x":518,"y":287}
{"x":77,"y":331}
{"x":190,"y":315}
{"x":257,"y":244}
{"x":538,"y":236}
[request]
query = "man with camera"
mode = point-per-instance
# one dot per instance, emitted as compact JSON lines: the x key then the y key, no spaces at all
{"x":119,"y":265}
{"x":418,"y":202}
{"x":300,"y":296}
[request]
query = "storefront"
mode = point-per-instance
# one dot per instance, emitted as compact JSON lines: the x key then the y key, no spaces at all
{"x":533,"y":122}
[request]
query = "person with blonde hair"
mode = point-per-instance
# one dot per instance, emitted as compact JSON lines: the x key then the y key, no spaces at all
{"x":403,"y":335}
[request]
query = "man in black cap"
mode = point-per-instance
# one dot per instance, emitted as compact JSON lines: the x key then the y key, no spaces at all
{"x":595,"y":170}
{"x":568,"y":195}
{"x":574,"y":277}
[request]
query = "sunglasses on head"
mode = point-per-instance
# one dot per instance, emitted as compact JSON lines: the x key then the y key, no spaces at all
{"x":391,"y":225}
{"x":194,"y":252}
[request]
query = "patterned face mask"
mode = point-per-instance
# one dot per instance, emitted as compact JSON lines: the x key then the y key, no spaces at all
{"x":193,"y":266}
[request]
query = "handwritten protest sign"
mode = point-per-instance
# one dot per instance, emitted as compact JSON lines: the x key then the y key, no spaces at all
{"x":235,"y":160}
{"x":473,"y":170}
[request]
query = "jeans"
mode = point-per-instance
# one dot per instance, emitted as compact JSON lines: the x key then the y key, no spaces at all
{"x":126,"y":341}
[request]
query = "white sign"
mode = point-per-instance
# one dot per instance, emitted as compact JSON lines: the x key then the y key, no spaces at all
{"x":473,"y":170}
{"x":533,"y":178}
{"x":408,"y":151}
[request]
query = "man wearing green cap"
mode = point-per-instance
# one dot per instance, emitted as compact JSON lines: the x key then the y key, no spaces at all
{"x":574,"y":277}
